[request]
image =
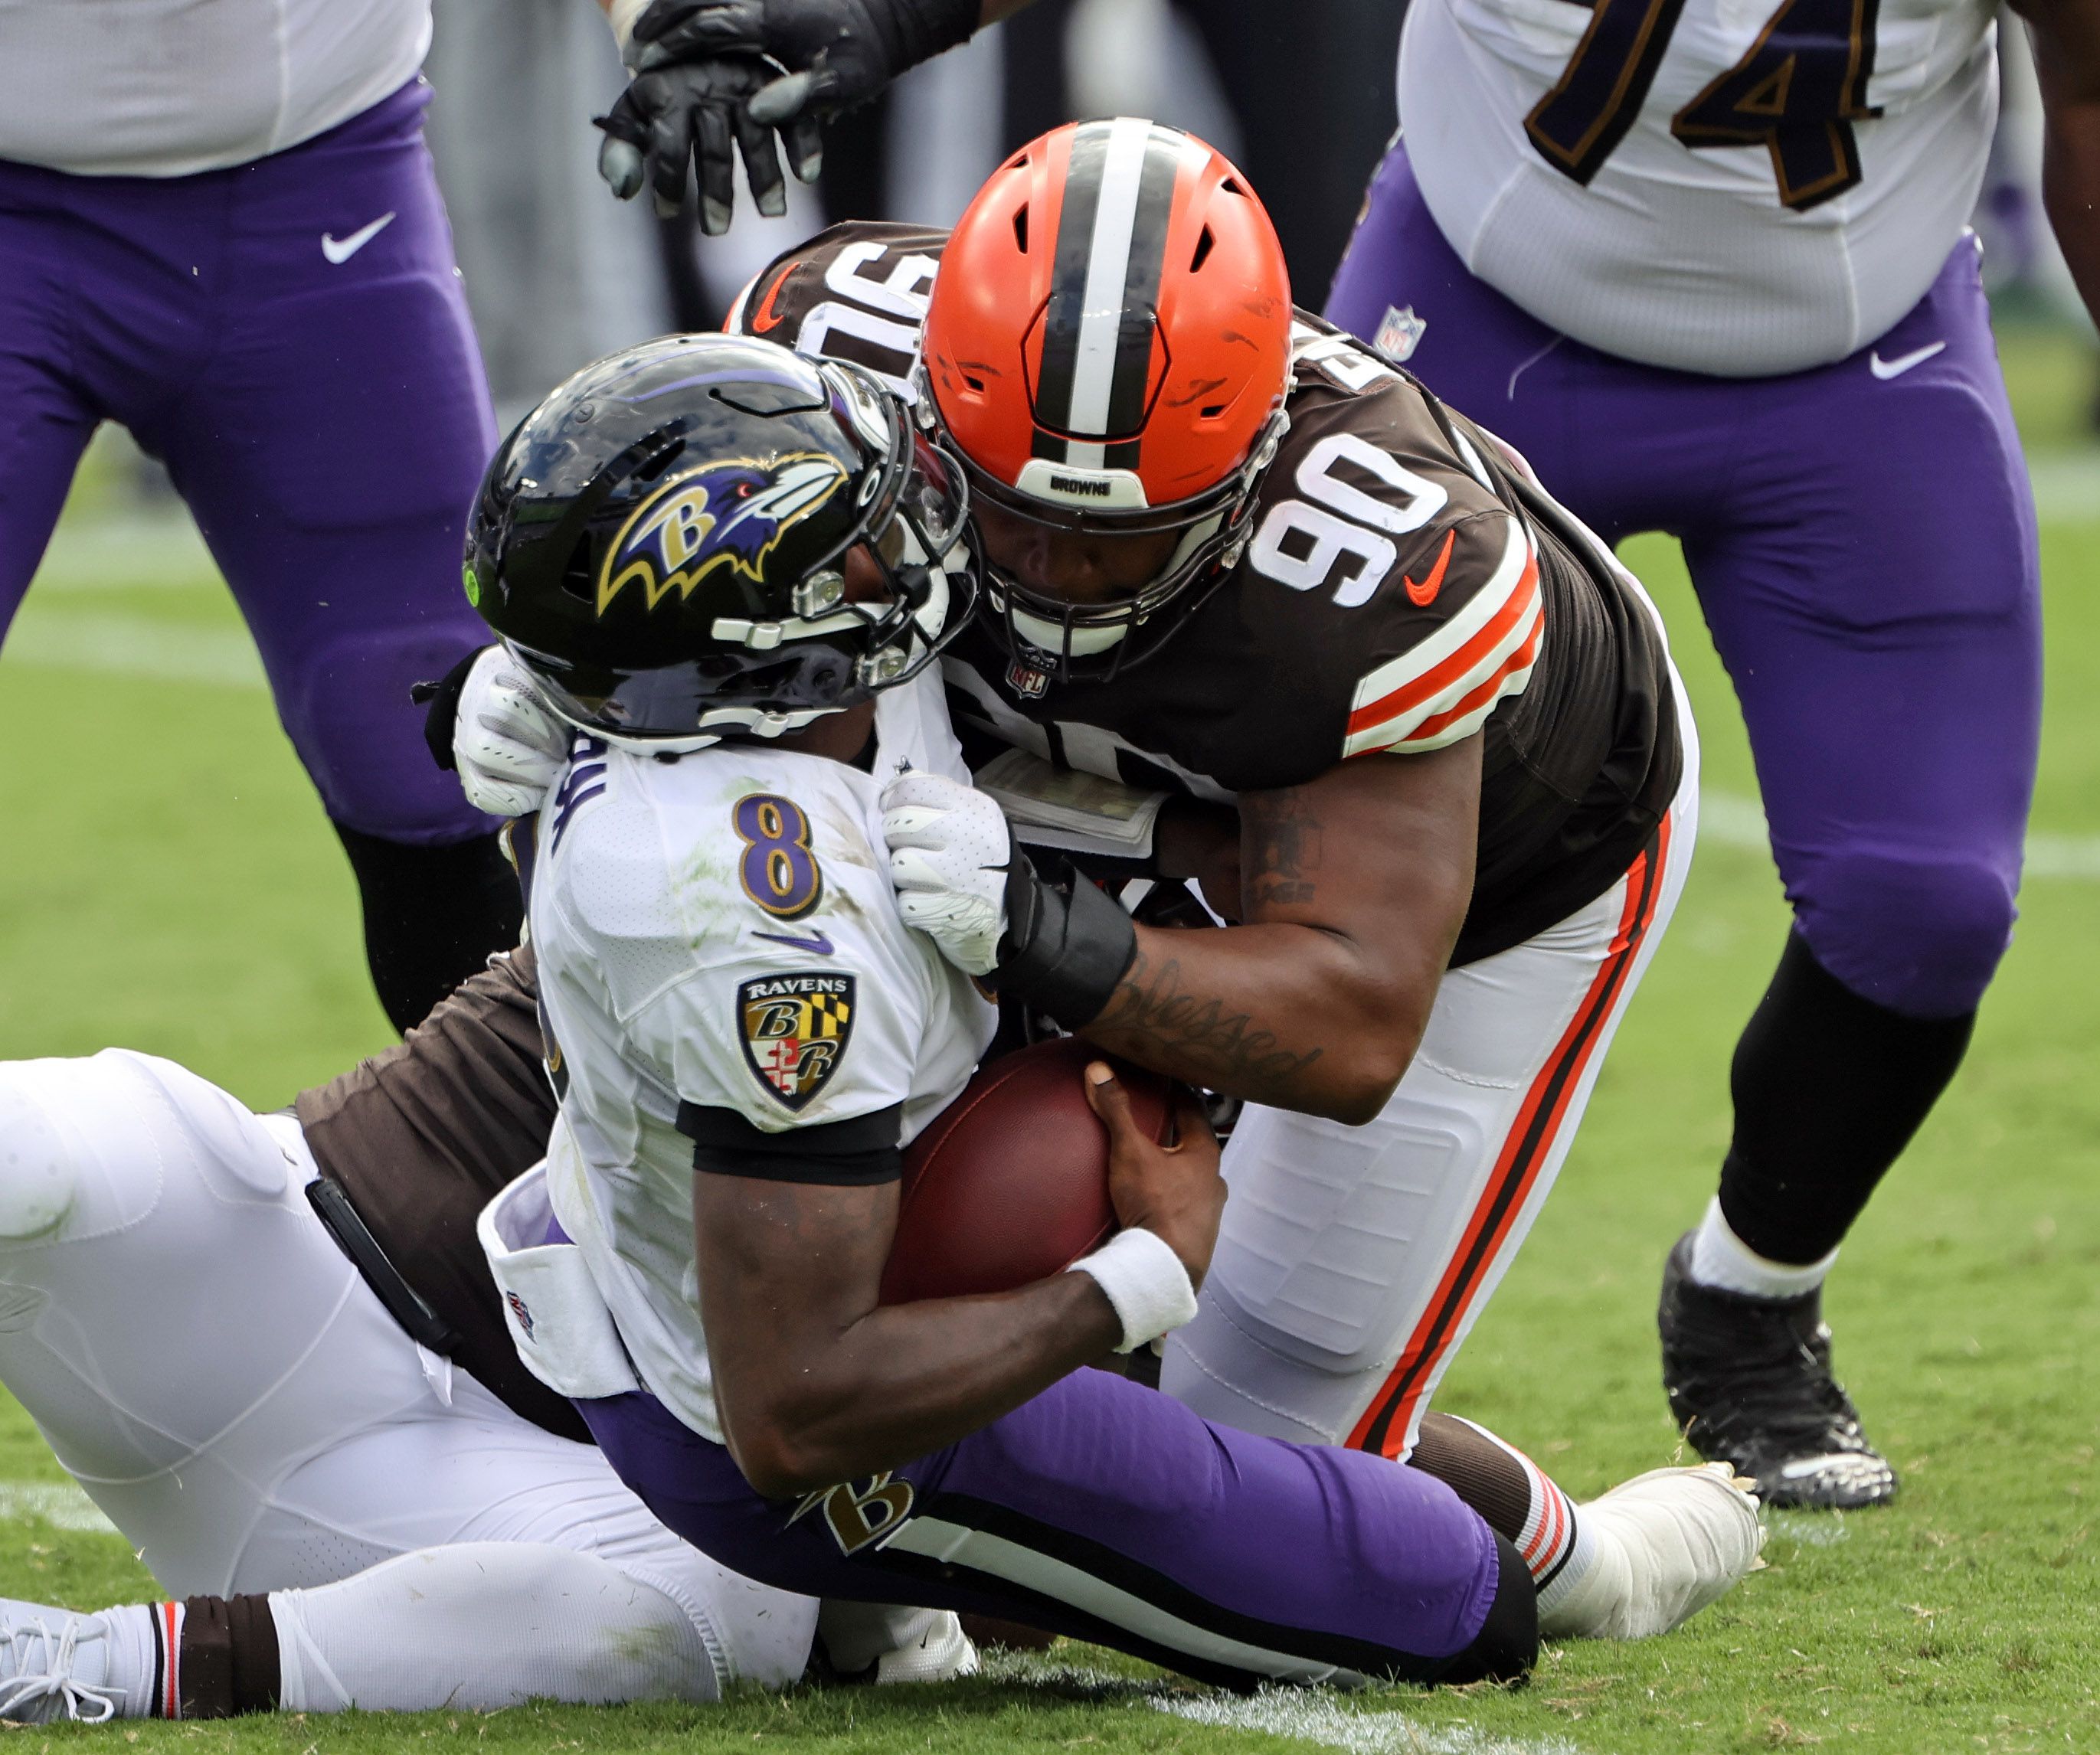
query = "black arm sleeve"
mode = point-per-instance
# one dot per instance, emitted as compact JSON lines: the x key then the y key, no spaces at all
{"x":860,"y":1153}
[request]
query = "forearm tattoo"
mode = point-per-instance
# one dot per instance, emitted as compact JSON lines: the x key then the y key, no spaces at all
{"x":1195,"y":1036}
{"x":1283,"y":848}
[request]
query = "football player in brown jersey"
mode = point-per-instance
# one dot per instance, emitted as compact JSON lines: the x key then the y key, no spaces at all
{"x":1419,"y":729}
{"x":1293,"y":629}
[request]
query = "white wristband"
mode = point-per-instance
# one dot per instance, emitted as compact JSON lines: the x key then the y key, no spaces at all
{"x":621,"y":15}
{"x":1146,"y":1283}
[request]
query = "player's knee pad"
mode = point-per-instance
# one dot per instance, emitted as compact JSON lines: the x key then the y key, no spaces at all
{"x":1506,"y":1648}
{"x":346,"y":706}
{"x":228,"y":1144}
{"x":1920,"y":933}
{"x":1335,"y":1233}
{"x":492,"y":1624}
{"x":39,"y":1156}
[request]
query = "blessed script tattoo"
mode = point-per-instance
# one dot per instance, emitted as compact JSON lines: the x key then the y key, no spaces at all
{"x":1168,"y":1025}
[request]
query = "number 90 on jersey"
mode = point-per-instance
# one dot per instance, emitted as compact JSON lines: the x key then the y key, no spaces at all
{"x":778,"y":871}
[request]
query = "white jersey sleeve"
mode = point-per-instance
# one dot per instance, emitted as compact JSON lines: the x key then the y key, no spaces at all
{"x":1738,"y":189}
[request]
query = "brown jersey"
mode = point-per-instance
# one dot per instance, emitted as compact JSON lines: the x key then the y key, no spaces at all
{"x":1403,"y":584}
{"x":422,"y":1136}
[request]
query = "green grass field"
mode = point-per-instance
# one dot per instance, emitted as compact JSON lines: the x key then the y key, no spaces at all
{"x":169,"y":885}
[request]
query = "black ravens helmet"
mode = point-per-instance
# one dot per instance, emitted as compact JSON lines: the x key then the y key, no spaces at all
{"x":663,"y":542}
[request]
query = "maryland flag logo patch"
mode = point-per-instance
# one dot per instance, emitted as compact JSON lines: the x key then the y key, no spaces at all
{"x":795,"y":1028}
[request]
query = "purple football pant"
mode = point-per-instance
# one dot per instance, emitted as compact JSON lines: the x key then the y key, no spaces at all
{"x":1108,"y":1512}
{"x":1863,"y":542}
{"x":327,"y":421}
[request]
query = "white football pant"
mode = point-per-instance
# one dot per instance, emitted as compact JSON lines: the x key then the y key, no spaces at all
{"x":207,"y":1364}
{"x":1353,"y":1261}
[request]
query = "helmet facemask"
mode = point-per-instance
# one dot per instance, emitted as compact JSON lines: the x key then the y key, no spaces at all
{"x":1097,"y":641}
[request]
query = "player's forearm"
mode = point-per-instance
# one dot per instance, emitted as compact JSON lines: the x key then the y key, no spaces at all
{"x":1286,"y":1015}
{"x":906,"y":1380}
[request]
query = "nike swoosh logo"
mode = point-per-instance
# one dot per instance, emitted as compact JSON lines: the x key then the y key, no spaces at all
{"x":768,"y":316}
{"x":820,"y":945}
{"x":1422,"y":596}
{"x":1885,"y":369}
{"x":340,"y":250}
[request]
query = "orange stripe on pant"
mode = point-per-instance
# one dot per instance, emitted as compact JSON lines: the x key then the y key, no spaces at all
{"x":1384,"y":1425}
{"x":171,"y":1702}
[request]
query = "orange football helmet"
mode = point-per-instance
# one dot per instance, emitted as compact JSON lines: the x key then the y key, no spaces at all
{"x":1108,"y":348}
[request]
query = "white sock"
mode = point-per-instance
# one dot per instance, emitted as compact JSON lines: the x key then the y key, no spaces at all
{"x":481,"y":1626}
{"x":1556,"y":1547}
{"x":1722,"y":1260}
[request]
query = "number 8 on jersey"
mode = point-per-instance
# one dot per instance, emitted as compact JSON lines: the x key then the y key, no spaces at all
{"x":779,"y":872}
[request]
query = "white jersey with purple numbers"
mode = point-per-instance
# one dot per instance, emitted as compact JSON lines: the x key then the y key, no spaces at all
{"x":719,"y":945}
{"x":1743,"y":187}
{"x":168,"y":88}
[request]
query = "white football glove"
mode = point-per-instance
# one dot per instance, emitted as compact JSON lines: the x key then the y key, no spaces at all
{"x":949,"y":849}
{"x":509,"y":748}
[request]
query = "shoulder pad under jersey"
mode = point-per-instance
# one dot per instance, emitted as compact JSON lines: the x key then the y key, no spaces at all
{"x":1380,"y":541}
{"x":857,"y":292}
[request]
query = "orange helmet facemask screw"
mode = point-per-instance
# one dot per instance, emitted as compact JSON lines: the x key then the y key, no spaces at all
{"x":1108,"y":349}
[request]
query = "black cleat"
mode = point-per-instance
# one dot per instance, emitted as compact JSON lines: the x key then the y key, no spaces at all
{"x":1748,"y":1381}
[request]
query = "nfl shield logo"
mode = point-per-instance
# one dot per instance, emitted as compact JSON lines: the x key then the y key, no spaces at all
{"x":1400,"y":333}
{"x":795,"y":1028}
{"x":522,"y":1311}
{"x":1030,"y":685}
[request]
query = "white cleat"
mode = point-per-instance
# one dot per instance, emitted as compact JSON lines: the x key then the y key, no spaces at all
{"x":1666,"y":1544}
{"x":942,"y":1652}
{"x":42,"y":1654}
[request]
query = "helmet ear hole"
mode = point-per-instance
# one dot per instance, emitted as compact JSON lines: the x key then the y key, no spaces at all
{"x":1202,"y":250}
{"x":651,"y":467}
{"x":576,"y":576}
{"x":1020,"y":229}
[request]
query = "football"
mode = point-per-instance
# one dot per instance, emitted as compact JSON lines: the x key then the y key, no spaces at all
{"x":1011,"y":1184}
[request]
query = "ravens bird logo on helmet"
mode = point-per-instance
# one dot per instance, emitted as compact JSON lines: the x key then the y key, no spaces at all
{"x":732,"y":513}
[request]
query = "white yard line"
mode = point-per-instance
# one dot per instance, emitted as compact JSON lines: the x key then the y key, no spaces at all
{"x":2067,"y":489}
{"x":1309,"y":1715}
{"x":126,"y":554}
{"x":1306,"y":1715}
{"x":1812,"y":1530}
{"x":1728,"y":819}
{"x":137,"y":645}
{"x":59,"y":1504}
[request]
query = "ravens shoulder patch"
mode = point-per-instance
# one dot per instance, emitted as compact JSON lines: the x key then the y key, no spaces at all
{"x":794,"y":1030}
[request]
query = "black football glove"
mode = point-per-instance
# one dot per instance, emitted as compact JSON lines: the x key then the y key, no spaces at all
{"x":708,"y":73}
{"x":689,"y":113}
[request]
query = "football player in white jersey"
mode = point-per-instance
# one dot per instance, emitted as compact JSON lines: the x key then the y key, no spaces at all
{"x":1733,"y":241}
{"x":1706,"y":267}
{"x":712,"y":541}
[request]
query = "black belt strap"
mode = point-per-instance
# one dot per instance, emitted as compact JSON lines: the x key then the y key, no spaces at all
{"x":403,"y":1303}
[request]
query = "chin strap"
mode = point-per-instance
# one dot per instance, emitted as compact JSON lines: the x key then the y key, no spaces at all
{"x":1066,"y":945}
